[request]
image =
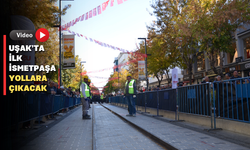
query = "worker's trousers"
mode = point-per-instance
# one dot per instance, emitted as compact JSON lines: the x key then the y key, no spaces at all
{"x":85,"y":106}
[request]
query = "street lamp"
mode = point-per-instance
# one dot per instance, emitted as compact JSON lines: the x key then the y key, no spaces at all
{"x":145,"y":39}
{"x":60,"y":39}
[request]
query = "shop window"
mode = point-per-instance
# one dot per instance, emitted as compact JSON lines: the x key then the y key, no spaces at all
{"x":200,"y":62}
{"x":247,"y":48}
{"x":232,"y":56}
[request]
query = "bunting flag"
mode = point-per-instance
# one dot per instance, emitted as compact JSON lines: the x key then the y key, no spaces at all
{"x":119,"y":2}
{"x":94,"y":12}
{"x":99,"y":10}
{"x":108,"y":45}
{"x":91,"y":13}
{"x":103,"y":6}
{"x":82,"y":17}
{"x":87,"y":16}
{"x":112,"y":3}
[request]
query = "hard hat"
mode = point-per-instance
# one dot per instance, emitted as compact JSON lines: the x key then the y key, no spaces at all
{"x":85,"y":77}
{"x":61,"y":87}
{"x":89,"y":80}
{"x":129,"y":75}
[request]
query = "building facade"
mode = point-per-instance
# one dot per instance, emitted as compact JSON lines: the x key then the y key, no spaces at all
{"x":239,"y":60}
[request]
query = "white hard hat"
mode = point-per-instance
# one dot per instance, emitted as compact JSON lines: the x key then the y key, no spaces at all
{"x":61,"y":87}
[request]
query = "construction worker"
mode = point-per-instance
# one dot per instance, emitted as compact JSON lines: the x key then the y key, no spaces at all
{"x":102,"y":98}
{"x":90,"y":101}
{"x":85,"y":97}
{"x":130,"y":95}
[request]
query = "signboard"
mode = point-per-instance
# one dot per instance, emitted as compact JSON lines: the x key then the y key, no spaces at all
{"x":198,"y":75}
{"x":245,"y":66}
{"x":141,"y":70}
{"x":68,"y":50}
{"x":174,"y":78}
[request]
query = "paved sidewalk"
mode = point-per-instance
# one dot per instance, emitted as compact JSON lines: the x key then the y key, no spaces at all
{"x":112,"y":133}
{"x":72,"y":133}
{"x":179,"y":137}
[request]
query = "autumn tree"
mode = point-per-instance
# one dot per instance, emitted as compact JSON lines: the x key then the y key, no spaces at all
{"x":72,"y":77}
{"x":43,"y":14}
{"x":213,"y":25}
{"x":179,"y":48}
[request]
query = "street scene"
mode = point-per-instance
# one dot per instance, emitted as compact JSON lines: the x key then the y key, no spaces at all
{"x":123,"y":74}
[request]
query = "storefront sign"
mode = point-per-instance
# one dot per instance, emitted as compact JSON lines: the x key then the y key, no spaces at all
{"x":186,"y":77}
{"x":198,"y":75}
{"x":245,"y":66}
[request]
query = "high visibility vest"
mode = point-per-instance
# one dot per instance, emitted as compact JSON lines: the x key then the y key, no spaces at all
{"x":130,"y":86}
{"x":86,"y":90}
{"x":101,"y":96}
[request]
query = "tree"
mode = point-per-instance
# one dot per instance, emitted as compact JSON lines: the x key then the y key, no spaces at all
{"x":113,"y":85}
{"x":179,"y":48}
{"x":213,"y":32}
{"x":44,"y":14}
{"x":72,"y":77}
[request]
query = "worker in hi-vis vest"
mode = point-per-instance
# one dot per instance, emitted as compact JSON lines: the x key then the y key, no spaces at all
{"x":130,"y":95}
{"x":90,"y":94}
{"x":85,"y":97}
{"x":102,"y":98}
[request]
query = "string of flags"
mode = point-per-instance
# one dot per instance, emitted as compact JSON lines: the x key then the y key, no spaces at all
{"x":107,"y":45}
{"x":92,"y":13}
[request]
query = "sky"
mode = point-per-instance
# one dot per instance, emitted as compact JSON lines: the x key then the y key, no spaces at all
{"x":120,"y":26}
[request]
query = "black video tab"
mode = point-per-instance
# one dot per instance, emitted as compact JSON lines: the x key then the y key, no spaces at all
{"x":23,"y":34}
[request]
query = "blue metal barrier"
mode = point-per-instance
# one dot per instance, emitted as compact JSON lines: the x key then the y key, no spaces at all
{"x":231,"y":99}
{"x":167,"y":99}
{"x":151,"y":99}
{"x":31,"y":105}
{"x":194,"y":99}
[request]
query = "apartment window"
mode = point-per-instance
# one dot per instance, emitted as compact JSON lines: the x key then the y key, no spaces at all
{"x":247,"y":48}
{"x":200,"y":62}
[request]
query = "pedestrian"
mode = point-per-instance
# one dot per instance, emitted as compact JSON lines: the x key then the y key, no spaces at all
{"x":235,"y":76}
{"x":85,"y":96}
{"x":227,"y":76}
{"x":130,"y":94}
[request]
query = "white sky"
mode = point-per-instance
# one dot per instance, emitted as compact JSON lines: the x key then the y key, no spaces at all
{"x":119,"y":26}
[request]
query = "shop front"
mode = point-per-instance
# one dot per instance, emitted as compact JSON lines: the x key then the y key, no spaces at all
{"x":198,"y":77}
{"x":230,"y":69}
{"x":245,"y":67}
{"x":186,"y":79}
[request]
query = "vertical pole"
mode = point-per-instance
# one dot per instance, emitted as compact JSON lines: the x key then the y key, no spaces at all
{"x":157,"y":103}
{"x":146,"y":62}
{"x":60,"y":32}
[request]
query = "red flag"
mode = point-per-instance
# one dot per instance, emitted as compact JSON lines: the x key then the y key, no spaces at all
{"x":112,"y":3}
{"x":94,"y":12}
{"x":82,"y":17}
{"x":99,"y":10}
{"x":119,"y":1}
{"x":103,"y":6}
{"x":87,"y":16}
{"x":90,"y":14}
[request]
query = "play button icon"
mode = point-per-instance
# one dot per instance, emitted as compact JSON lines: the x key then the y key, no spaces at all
{"x":42,"y":35}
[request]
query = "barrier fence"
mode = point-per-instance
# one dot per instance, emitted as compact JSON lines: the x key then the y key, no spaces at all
{"x":229,"y":99}
{"x":232,"y":99}
{"x":31,"y":106}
